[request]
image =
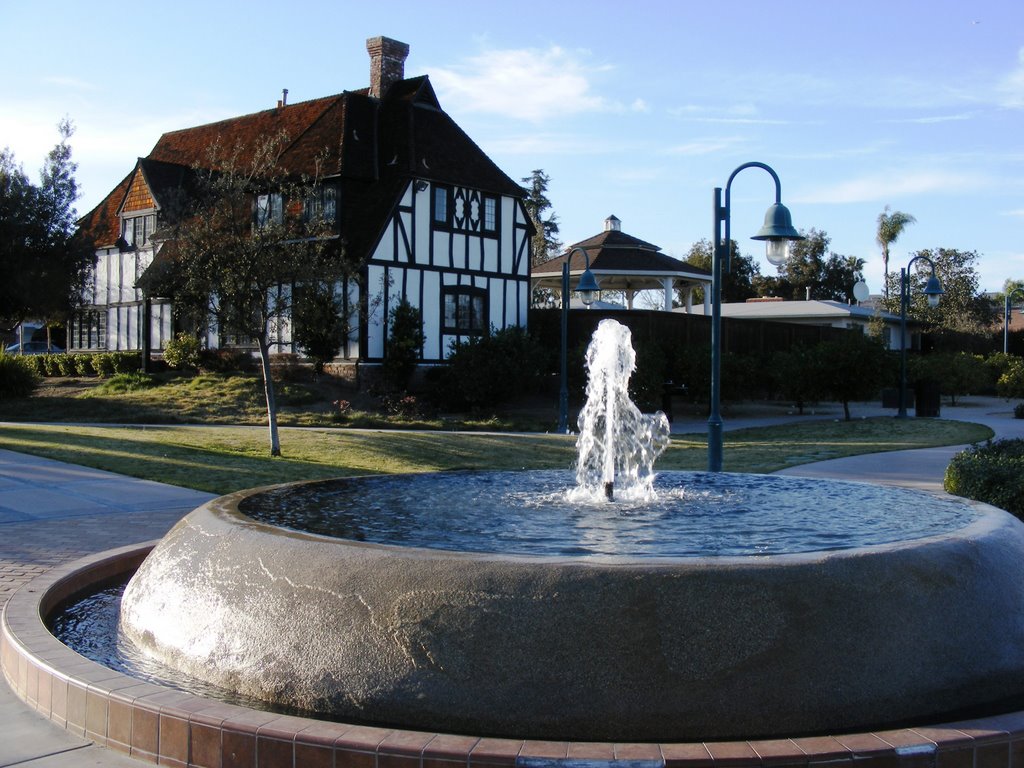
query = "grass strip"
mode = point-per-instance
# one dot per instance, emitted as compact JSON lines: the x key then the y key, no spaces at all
{"x":226,"y":459}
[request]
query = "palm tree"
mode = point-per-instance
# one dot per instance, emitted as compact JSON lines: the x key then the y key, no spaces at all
{"x":890,"y":227}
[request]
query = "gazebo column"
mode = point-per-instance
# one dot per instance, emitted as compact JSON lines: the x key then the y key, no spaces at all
{"x":688,"y":298}
{"x":707,"y":300}
{"x":668,"y":282}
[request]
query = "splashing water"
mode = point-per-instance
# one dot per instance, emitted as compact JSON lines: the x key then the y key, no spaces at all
{"x":618,"y":445}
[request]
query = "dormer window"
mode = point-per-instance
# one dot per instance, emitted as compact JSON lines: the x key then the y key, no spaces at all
{"x":136,"y":231}
{"x":321,"y":204}
{"x":269,"y":210}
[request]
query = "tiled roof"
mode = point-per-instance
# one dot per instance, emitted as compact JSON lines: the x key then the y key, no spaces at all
{"x":102,"y":223}
{"x":191,"y":147}
{"x":374,"y":147}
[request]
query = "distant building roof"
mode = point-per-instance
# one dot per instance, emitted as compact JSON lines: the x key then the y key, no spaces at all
{"x":800,"y":310}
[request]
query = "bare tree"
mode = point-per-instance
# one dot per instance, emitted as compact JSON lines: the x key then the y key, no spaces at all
{"x":248,"y":232}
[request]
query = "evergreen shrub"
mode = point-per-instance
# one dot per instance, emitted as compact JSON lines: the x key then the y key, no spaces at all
{"x":65,"y":364}
{"x":992,"y":473}
{"x":126,"y":362}
{"x":1011,"y":382}
{"x":182,"y":352}
{"x":225,"y":361}
{"x":103,"y":364}
{"x":83,"y":365}
{"x":490,"y":370}
{"x":18,"y":377}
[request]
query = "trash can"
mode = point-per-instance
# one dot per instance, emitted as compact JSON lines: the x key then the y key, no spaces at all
{"x":928,"y":398}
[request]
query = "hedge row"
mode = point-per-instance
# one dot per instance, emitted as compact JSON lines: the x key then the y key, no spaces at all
{"x":992,"y":473}
{"x":102,"y":364}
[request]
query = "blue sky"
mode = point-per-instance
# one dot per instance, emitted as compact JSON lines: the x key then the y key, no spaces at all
{"x":636,"y":110}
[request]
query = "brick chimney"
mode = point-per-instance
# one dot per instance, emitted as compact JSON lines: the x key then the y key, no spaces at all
{"x":387,"y":63}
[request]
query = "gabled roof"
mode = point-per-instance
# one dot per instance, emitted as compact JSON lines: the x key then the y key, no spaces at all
{"x":374,"y":147}
{"x":618,"y":257}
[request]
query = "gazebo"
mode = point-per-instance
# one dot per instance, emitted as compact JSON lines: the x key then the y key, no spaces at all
{"x":621,"y":262}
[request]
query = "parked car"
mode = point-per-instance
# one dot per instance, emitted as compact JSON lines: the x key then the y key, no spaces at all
{"x":33,"y":348}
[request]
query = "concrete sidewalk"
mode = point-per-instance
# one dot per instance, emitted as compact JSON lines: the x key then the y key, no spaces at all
{"x":52,"y":513}
{"x":922,"y":468}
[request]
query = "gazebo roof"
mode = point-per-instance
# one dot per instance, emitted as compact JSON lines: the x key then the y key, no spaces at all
{"x":619,"y":262}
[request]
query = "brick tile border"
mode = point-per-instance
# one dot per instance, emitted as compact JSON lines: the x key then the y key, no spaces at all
{"x":160,"y":725}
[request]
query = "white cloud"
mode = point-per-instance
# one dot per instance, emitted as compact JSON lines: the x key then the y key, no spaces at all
{"x":1015,"y":212}
{"x":936,"y":119}
{"x":554,"y":143}
{"x":521,"y":83}
{"x":882,"y":187}
{"x":639,"y":105}
{"x":1011,"y":88}
{"x":704,"y":146}
{"x":636,"y":175}
{"x":737,"y":114}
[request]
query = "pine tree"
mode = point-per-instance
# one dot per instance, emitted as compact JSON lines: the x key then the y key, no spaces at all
{"x":545,"y":243}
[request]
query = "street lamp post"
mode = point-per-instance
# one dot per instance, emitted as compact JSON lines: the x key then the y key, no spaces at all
{"x":777,"y":232}
{"x":1006,"y":317}
{"x":933,"y":290}
{"x":587,"y":288}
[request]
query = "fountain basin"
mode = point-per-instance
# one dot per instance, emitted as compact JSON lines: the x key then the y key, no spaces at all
{"x":609,"y":648}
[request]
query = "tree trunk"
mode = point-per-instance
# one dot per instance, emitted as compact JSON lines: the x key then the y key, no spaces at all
{"x":846,"y":410}
{"x":268,"y":390}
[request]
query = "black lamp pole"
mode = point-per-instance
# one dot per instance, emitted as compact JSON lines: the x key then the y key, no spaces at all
{"x":588,"y":288}
{"x":777,"y":232}
{"x":933,"y":290}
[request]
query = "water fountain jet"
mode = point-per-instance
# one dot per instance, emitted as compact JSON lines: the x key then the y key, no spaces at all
{"x":617,"y":445}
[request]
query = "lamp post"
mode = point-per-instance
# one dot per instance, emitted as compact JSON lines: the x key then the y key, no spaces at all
{"x":933,"y":290}
{"x":1006,"y":317}
{"x":587,"y":288}
{"x":777,"y":232}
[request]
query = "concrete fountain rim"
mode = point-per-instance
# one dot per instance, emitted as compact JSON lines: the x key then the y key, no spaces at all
{"x":983,"y":522}
{"x":96,"y":702}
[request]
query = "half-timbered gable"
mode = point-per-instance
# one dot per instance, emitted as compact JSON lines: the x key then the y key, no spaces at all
{"x":421,"y":210}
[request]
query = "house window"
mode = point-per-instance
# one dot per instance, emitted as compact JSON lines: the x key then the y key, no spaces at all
{"x":490,"y":213}
{"x":232,"y":339}
{"x":137,"y":230}
{"x":441,"y":205}
{"x":89,"y":330}
{"x":269,"y":210}
{"x":322,"y":205}
{"x":465,"y":310}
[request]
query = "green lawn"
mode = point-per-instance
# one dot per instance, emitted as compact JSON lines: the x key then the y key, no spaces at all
{"x":222,"y":459}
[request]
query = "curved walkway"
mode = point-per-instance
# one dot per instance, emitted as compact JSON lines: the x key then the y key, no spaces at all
{"x":922,"y":468}
{"x":51,"y":513}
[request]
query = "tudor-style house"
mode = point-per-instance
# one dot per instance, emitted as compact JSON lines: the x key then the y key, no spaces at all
{"x":419,"y":206}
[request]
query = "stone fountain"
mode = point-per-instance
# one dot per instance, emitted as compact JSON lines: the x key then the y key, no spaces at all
{"x":419,"y":612}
